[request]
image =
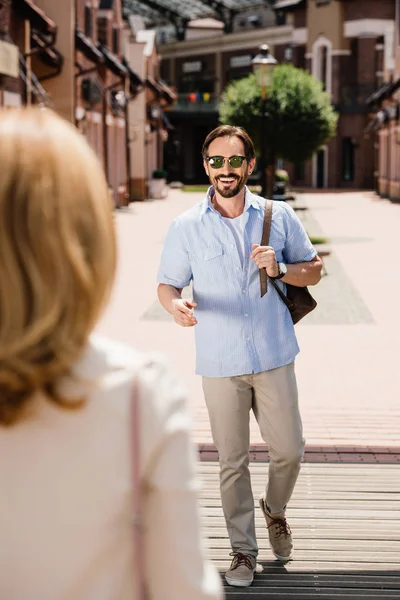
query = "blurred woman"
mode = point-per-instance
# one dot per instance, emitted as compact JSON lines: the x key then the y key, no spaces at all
{"x":67,"y":493}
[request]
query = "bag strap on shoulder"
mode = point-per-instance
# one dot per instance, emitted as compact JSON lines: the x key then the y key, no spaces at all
{"x":265,"y":242}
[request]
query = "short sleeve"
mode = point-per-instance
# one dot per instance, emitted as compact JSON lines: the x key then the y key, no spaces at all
{"x":298,"y":247}
{"x":175,"y":268}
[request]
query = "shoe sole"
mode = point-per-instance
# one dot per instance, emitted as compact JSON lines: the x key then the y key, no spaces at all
{"x":283,"y":558}
{"x":238,"y":582}
{"x":277,"y":556}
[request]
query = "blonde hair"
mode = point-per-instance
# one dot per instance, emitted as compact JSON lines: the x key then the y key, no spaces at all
{"x":57,"y":253}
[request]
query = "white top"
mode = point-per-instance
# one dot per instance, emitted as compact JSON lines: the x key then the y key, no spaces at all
{"x":236,"y":225}
{"x":66,"y":490}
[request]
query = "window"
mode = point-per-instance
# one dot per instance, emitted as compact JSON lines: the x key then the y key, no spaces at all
{"x":398,"y":22}
{"x":102,"y":31}
{"x":115,"y":40}
{"x":323,"y":65}
{"x":88,"y":21}
{"x":348,"y":159}
{"x":322,"y":62}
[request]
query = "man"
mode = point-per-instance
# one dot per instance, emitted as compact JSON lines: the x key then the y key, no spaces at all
{"x":245,"y":343}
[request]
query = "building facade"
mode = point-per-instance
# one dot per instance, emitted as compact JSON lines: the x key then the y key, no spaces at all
{"x":72,"y":56}
{"x":344,"y":43}
{"x":384,"y":122}
{"x":29,"y":53}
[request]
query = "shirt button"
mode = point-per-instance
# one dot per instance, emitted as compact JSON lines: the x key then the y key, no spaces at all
{"x":233,"y":245}
{"x":243,"y":291}
{"x":248,"y":339}
{"x":246,"y":315}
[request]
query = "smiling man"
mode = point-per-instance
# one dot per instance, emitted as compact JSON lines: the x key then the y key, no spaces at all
{"x":245,"y":343}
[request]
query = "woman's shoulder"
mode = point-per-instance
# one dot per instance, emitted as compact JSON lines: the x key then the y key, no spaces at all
{"x":115,"y":364}
{"x":103,"y":356}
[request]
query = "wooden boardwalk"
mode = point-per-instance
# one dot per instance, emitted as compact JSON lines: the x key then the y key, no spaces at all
{"x":345,"y":520}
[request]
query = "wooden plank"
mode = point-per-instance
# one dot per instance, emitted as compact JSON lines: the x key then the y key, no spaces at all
{"x":345,"y":520}
{"x":301,"y":532}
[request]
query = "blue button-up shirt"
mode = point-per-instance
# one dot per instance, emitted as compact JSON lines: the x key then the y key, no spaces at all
{"x":237,"y":331}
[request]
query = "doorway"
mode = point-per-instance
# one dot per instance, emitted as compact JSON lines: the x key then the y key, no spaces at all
{"x":320,"y":168}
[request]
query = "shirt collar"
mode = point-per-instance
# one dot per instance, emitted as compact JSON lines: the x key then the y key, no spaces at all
{"x":250,"y":199}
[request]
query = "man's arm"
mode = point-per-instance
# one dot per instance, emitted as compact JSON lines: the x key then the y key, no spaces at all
{"x":304,"y":273}
{"x":170,"y":298}
{"x":299,"y":274}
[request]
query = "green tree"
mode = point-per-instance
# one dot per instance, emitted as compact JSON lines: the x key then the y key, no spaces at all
{"x":299,"y":117}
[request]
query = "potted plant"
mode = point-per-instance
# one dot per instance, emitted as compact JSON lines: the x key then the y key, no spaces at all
{"x":280,"y":183}
{"x":158,"y":185}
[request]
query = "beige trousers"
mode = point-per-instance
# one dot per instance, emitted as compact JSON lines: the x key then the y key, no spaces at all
{"x":272,"y":395}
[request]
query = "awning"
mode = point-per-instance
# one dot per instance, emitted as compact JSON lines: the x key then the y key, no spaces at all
{"x":87,"y":47}
{"x":377,"y":121}
{"x":152,"y":84}
{"x":135,"y":83}
{"x":393,"y":88}
{"x":112,"y":62}
{"x":280,"y":4}
{"x":169,"y":95}
{"x":37,"y":17}
{"x":379,"y":95}
{"x":48,"y":54}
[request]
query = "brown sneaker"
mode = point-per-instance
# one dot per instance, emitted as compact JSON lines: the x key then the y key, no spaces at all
{"x":241,"y":571}
{"x":280,"y":536}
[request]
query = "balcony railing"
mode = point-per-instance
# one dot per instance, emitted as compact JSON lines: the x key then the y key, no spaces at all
{"x":196,"y":102}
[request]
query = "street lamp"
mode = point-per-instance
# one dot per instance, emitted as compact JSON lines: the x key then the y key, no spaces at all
{"x":263,"y":68}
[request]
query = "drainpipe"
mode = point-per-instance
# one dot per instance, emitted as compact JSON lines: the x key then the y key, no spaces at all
{"x":128,"y":145}
{"x":105,"y":136}
{"x":128,"y":151}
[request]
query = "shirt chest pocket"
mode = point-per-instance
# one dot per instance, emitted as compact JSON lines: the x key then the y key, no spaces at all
{"x":277,"y":241}
{"x":209,"y":253}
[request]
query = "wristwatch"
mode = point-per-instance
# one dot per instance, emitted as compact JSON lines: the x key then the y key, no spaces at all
{"x":282,"y":268}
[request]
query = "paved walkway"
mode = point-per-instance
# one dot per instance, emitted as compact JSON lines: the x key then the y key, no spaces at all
{"x":345,"y":517}
{"x":348,"y":368}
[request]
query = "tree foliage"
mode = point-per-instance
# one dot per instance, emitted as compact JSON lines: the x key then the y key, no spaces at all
{"x":299,"y":117}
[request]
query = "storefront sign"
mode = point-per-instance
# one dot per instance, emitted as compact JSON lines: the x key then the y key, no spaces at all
{"x":240,"y":61}
{"x":192,"y":67}
{"x":9,"y":59}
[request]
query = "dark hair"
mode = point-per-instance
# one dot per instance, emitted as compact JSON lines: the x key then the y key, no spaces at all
{"x":230,"y":131}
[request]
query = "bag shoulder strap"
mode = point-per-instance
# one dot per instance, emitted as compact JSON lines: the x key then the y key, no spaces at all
{"x":138,"y":568}
{"x":264,"y":242}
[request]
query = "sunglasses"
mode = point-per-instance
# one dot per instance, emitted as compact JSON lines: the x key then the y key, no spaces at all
{"x":217,"y":162}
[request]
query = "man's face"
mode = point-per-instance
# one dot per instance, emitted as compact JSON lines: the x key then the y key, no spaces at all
{"x":228,"y":181}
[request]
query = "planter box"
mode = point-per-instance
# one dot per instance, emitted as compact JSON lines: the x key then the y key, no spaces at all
{"x":158,"y":188}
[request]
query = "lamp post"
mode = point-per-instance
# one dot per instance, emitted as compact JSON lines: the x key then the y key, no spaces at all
{"x":263,"y":68}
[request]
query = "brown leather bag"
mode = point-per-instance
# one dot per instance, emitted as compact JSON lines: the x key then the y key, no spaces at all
{"x":298,"y":299}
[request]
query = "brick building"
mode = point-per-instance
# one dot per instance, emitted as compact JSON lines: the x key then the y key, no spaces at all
{"x":72,"y":57}
{"x":384,"y":122}
{"x":345,"y":43}
{"x":28,"y":53}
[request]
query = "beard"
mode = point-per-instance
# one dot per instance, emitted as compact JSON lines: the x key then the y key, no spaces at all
{"x":231,"y":191}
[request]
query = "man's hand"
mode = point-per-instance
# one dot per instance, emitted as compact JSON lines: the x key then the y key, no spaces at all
{"x":265,"y":258}
{"x":182,"y":311}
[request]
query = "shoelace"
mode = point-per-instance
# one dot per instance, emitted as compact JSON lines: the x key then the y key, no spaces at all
{"x":282,"y":525}
{"x":241,"y":559}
